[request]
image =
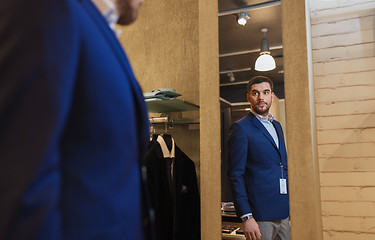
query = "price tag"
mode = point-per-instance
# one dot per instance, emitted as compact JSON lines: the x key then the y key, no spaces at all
{"x":283,"y":189}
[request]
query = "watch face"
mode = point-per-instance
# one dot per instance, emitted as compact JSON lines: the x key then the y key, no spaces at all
{"x":245,"y":218}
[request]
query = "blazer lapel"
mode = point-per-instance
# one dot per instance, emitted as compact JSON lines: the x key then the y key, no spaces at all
{"x":255,"y":121}
{"x":102,"y":24}
{"x":118,"y":51}
{"x":108,"y":33}
{"x":281,"y":140}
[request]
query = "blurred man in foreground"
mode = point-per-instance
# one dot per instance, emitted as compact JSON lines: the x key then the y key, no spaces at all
{"x":73,"y":122}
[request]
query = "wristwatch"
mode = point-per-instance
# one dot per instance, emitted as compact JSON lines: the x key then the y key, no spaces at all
{"x":245,"y":218}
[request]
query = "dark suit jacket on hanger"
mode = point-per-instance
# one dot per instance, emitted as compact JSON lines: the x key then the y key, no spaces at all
{"x":255,"y":171}
{"x":73,"y":125}
{"x":178,"y":213}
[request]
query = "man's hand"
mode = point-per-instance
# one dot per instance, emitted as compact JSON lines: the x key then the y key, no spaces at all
{"x":251,"y":230}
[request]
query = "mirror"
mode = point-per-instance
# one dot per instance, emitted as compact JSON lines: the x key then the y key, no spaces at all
{"x":239,"y":48}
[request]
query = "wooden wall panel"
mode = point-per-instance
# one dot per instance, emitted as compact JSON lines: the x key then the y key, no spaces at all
{"x":347,"y":150}
{"x":328,"y":8}
{"x":345,"y":24}
{"x":347,"y":164}
{"x":340,"y":94}
{"x":351,"y":209}
{"x":345,"y":66}
{"x":345,"y":136}
{"x":209,"y":119}
{"x":349,"y":224}
{"x":348,"y":179}
{"x":159,"y":51}
{"x":342,"y":235}
{"x":347,"y":39}
{"x":344,"y":52}
{"x":346,"y":122}
{"x":305,"y":210}
{"x":343,"y":45}
{"x":348,"y":194}
{"x":337,"y":108}
{"x":345,"y":79}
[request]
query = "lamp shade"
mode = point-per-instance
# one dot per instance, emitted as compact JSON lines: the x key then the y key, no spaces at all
{"x":265,"y":62}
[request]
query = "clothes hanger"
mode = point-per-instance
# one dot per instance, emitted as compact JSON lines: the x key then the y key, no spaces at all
{"x":167,"y":137}
{"x":168,"y":140}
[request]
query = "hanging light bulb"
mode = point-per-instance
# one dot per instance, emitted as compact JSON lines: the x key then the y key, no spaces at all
{"x":242,"y":18}
{"x":265,"y":61}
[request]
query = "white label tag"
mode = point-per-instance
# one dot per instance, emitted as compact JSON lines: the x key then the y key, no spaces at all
{"x":283,"y":186}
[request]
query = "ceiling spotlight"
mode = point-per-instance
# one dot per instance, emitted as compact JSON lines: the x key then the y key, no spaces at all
{"x":231,"y":77}
{"x":265,"y":61}
{"x":242,"y":18}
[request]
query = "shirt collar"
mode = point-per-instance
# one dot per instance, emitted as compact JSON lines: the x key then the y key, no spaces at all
{"x":261,"y":118}
{"x":108,"y":9}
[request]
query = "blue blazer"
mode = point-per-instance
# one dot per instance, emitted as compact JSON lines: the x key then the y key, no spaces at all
{"x":255,"y":170}
{"x":73,"y":125}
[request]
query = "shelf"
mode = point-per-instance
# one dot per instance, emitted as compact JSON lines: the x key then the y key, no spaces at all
{"x":233,"y":235}
{"x":234,"y":221}
{"x":230,"y":218}
{"x":170,"y":105}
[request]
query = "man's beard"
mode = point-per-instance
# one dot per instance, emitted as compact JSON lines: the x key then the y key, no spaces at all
{"x":262,"y":112}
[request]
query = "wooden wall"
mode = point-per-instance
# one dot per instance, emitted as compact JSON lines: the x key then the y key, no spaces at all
{"x":343,"y":46}
{"x":303,"y":167}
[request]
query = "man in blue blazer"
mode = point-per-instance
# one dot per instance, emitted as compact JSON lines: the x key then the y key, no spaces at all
{"x":258,"y":171}
{"x":73,"y":123}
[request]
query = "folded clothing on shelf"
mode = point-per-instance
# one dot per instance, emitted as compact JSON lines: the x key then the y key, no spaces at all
{"x":228,"y":229}
{"x":228,"y":207}
{"x":161,"y":94}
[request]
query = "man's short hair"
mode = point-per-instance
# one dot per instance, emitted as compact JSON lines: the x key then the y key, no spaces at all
{"x":257,"y":80}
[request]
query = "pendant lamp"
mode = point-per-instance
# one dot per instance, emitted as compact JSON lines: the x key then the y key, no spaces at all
{"x":265,"y":61}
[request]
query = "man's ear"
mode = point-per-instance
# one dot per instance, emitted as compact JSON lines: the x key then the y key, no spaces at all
{"x":248,"y":97}
{"x":272,"y":96}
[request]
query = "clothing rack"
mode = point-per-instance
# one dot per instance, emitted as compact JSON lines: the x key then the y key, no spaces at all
{"x":168,"y":124}
{"x":156,"y":120}
{"x":165,"y":120}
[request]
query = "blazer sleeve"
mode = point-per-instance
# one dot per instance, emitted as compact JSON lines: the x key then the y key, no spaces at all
{"x":37,"y":67}
{"x":238,"y":151}
{"x":195,"y":215}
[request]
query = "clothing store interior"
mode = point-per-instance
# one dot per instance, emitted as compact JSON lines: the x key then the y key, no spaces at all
{"x":183,"y":104}
{"x":194,"y":71}
{"x":174,"y":109}
{"x":187,"y":120}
